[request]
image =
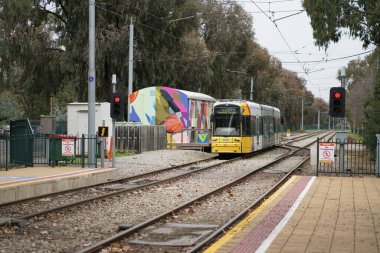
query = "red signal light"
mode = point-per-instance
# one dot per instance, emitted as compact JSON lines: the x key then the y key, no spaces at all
{"x":337,"y":95}
{"x":116,"y":99}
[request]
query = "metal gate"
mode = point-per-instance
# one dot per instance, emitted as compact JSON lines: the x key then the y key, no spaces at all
{"x":21,"y":142}
{"x":348,"y":157}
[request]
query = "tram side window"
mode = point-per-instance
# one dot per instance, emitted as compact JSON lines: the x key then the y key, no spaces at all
{"x":253,"y":125}
{"x":260,"y":127}
{"x":271,"y":128}
{"x":265,"y":126}
{"x":246,"y":126}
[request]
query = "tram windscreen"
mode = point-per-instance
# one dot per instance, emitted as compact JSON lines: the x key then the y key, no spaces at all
{"x":227,"y":121}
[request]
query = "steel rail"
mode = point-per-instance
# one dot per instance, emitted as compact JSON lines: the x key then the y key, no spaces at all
{"x":248,"y":210}
{"x":144,"y":224}
{"x":99,"y":245}
{"x":85,"y":201}
{"x":113,"y":181}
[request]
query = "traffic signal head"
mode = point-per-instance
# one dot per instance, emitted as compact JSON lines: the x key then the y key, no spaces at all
{"x":117,"y":106}
{"x":337,"y":104}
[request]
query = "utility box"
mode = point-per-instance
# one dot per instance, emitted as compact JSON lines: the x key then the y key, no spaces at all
{"x":47,"y":124}
{"x":341,"y":137}
{"x":77,"y":119}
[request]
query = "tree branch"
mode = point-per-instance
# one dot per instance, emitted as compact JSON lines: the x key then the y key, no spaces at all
{"x":43,"y":9}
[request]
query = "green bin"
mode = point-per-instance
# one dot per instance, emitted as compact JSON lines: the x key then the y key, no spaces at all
{"x":61,"y":148}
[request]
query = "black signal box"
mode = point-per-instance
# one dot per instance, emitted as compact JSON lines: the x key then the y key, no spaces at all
{"x":117,"y":106}
{"x":337,"y":103}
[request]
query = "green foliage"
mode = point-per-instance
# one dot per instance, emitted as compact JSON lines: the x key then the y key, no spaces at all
{"x":355,"y":136}
{"x":330,"y":19}
{"x":372,"y":115}
{"x":9,"y":108}
{"x":44,"y":52}
{"x":124,"y":153}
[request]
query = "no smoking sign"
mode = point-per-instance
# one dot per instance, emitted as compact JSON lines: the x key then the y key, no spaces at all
{"x":326,"y":154}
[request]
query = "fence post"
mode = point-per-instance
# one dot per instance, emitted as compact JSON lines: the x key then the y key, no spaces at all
{"x":82,"y":150}
{"x":96,"y":151}
{"x":378,"y":155}
{"x":342,"y":136}
{"x":317,"y":156}
{"x":101,"y":152}
{"x":6,"y":152}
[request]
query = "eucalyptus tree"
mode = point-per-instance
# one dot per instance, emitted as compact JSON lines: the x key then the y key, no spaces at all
{"x":330,"y":20}
{"x":227,"y":31}
{"x":31,"y":68}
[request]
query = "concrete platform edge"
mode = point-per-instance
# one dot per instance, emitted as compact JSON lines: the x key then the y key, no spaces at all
{"x":22,"y":190}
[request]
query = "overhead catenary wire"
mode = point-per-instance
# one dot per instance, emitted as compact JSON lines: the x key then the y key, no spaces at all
{"x":287,"y":44}
{"x":328,"y":60}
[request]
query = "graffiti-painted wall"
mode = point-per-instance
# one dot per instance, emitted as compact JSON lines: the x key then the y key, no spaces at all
{"x":176,"y":109}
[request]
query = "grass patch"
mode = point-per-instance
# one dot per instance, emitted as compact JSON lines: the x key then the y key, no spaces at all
{"x":355,"y":136}
{"x":124,"y":153}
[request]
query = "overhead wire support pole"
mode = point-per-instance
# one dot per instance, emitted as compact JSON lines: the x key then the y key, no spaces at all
{"x":130,"y":67}
{"x":91,"y":84}
{"x":302,"y":115}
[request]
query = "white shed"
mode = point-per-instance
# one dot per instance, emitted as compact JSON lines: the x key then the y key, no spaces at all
{"x":77,"y":119}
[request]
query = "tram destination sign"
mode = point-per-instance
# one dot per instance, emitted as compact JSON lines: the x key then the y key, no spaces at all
{"x":226,"y":110}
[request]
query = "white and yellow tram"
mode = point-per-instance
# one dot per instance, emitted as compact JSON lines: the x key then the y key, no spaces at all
{"x":244,"y":127}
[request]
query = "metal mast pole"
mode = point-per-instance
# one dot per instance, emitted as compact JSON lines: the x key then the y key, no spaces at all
{"x":91,"y":82}
{"x":319,"y":118}
{"x":302,"y":115}
{"x":343,"y":84}
{"x":113,"y":125}
{"x":130,"y":66}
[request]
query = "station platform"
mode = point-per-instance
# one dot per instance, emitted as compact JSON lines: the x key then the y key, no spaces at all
{"x":24,"y":183}
{"x":311,"y":214}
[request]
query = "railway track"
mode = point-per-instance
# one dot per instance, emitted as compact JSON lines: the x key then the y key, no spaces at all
{"x":52,"y":222}
{"x":183,"y":210}
{"x":121,"y":180}
{"x":17,"y":213}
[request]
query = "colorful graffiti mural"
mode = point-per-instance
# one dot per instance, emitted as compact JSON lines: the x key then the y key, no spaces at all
{"x":176,"y":109}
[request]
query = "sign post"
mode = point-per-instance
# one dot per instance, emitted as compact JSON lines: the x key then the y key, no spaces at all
{"x":103,"y":134}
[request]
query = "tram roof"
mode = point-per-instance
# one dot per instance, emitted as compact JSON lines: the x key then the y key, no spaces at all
{"x":252,"y":105}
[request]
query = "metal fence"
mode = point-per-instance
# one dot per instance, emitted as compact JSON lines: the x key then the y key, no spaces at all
{"x":347,"y":157}
{"x":51,"y":150}
{"x":139,"y":138}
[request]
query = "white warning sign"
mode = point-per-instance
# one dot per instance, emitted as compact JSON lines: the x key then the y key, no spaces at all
{"x":326,"y":152}
{"x":67,"y":147}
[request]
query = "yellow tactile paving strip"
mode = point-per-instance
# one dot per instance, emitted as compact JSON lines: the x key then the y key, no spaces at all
{"x":238,"y":233}
{"x":338,"y":214}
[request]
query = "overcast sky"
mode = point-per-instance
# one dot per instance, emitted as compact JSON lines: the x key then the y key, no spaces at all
{"x":297,"y":32}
